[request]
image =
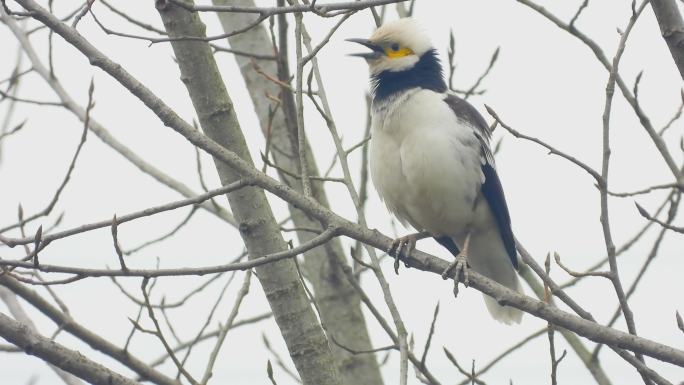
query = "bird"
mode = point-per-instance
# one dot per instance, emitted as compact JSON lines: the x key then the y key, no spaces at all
{"x":431,"y":161}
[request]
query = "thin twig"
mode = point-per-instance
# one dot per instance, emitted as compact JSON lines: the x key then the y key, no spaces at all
{"x":471,"y":377}
{"x":423,"y":358}
{"x":129,"y":217}
{"x":581,"y":8}
{"x":492,"y":61}
{"x":651,"y":218}
{"x":158,"y":333}
{"x":117,"y":246}
{"x":224,"y":329}
{"x":324,"y":237}
{"x":551,"y":149}
{"x":82,"y":13}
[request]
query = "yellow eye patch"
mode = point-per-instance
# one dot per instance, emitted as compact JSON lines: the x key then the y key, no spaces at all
{"x":395,"y":54}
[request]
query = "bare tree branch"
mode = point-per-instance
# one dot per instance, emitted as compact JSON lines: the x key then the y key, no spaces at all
{"x":58,"y":355}
{"x":267,"y":12}
{"x":267,"y":259}
{"x":128,"y":217}
{"x":94,"y":340}
{"x":20,"y":315}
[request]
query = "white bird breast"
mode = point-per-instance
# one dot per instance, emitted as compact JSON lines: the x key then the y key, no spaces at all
{"x":425,"y":163}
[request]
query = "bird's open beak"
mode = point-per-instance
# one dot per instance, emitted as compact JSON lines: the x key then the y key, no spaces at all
{"x":376,"y":50}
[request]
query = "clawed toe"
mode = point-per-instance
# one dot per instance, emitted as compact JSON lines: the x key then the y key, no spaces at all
{"x":460,"y":265}
{"x":401,"y":246}
{"x":395,"y":251}
{"x":460,"y":268}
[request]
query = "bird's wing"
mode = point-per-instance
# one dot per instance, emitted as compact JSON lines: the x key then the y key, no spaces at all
{"x":491,"y":186}
{"x":449,"y":244}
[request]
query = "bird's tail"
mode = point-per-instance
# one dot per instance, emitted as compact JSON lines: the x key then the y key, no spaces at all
{"x":505,"y":314}
{"x":488,"y":256}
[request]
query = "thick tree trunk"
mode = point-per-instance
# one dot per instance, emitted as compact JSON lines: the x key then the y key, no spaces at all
{"x":293,"y":313}
{"x":672,"y":29}
{"x":338,"y":302}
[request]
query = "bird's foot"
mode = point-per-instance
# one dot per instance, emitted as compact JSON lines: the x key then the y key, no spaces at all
{"x":460,"y":268}
{"x":406,"y":244}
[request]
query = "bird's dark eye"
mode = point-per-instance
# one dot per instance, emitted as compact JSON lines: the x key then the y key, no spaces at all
{"x":395,"y":47}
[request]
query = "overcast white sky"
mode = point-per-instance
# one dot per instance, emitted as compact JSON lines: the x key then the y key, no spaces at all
{"x":545,"y":84}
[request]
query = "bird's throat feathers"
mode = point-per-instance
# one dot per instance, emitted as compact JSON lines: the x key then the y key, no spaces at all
{"x":427,"y":73}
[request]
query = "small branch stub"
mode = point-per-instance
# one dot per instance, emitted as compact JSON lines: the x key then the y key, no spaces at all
{"x":36,"y":244}
{"x":117,"y":246}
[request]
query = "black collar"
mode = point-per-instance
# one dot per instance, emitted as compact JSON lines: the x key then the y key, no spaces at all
{"x":426,"y":74}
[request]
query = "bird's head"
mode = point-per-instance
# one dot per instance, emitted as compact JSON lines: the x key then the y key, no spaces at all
{"x":395,"y":46}
{"x":401,"y":57}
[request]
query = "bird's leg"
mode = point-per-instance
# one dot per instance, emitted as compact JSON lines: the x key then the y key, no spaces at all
{"x":406,"y":243}
{"x":460,"y":265}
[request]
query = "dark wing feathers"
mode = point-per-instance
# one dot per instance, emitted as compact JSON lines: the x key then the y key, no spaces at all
{"x":493,"y":192}
{"x":467,"y":112}
{"x":449,"y":244}
{"x":491,"y":187}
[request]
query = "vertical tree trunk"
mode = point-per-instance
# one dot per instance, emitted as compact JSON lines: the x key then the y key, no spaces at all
{"x":298,"y":324}
{"x":338,"y":302}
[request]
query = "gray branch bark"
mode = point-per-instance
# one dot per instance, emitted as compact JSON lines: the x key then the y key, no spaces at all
{"x":20,"y":315}
{"x":66,"y":359}
{"x":298,"y":324}
{"x":338,"y":302}
{"x":96,"y":342}
{"x":672,"y":28}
